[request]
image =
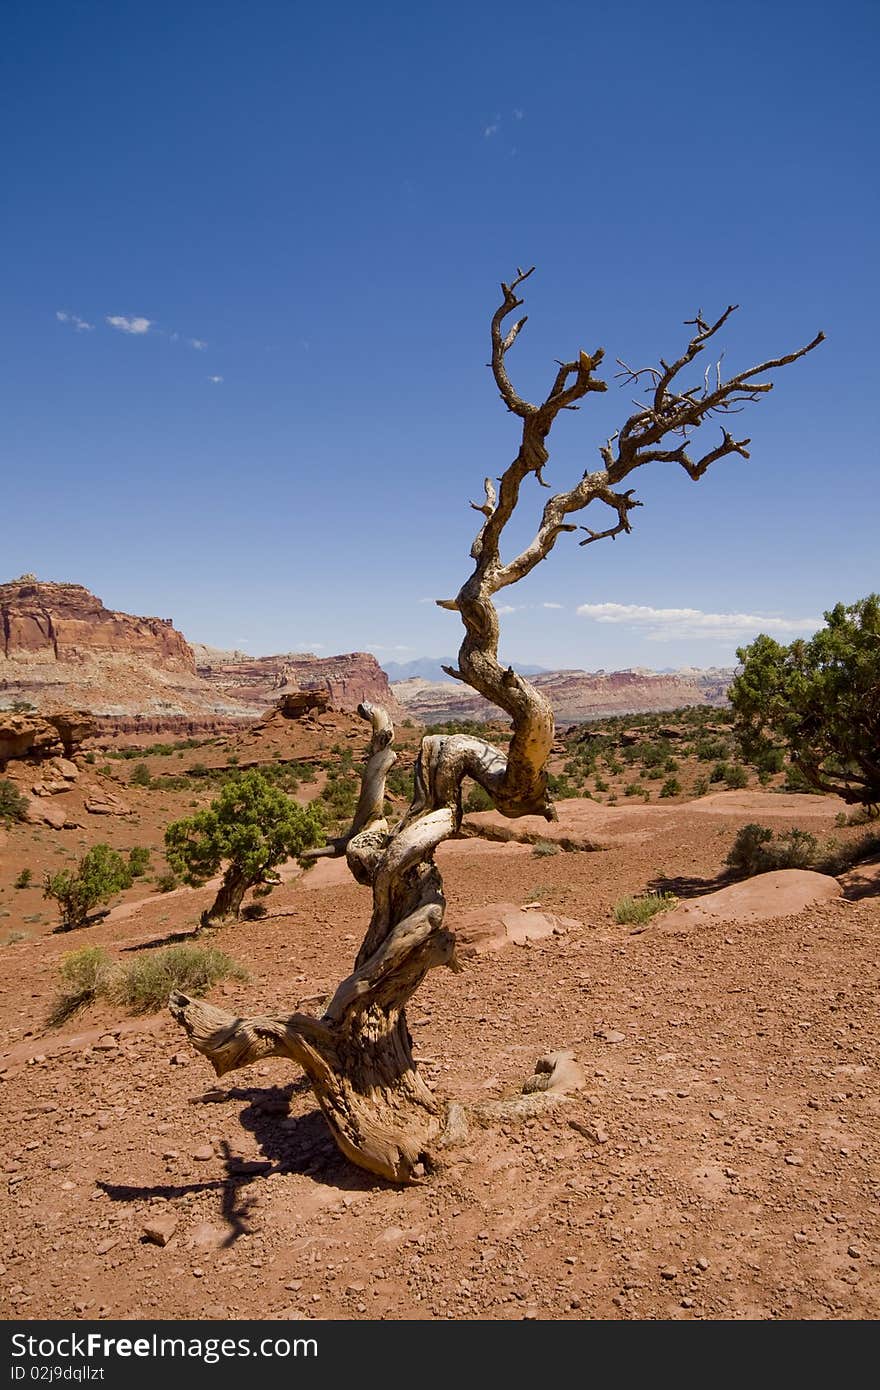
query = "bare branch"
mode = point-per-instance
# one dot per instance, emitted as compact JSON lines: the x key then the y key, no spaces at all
{"x":623,"y":503}
{"x":500,"y":345}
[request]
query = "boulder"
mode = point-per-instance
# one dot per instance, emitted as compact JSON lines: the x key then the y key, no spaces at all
{"x":758,"y":899}
{"x":497,"y":925}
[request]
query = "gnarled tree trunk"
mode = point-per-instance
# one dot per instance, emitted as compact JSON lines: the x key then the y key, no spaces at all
{"x":358,"y":1055}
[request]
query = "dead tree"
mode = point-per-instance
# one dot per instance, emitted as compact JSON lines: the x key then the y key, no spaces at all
{"x":358,"y":1054}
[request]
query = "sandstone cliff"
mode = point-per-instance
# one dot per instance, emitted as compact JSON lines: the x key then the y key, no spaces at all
{"x":44,"y":622}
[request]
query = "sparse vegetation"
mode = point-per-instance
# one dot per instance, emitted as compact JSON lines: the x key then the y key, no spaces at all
{"x":756,"y":851}
{"x":24,"y":880}
{"x":635,"y":911}
{"x":140,"y":775}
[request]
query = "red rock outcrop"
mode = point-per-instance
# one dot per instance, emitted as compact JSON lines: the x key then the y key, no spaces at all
{"x":64,"y":622}
{"x":29,"y":735}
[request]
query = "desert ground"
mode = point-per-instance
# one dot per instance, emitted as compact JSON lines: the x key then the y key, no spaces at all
{"x":720,"y":1162}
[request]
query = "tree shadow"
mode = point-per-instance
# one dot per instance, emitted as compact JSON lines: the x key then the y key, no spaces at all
{"x":235,"y":1207}
{"x":192,"y":934}
{"x":294,"y":1143}
{"x":289,"y":1144}
{"x":91,"y":921}
{"x":683,"y":886}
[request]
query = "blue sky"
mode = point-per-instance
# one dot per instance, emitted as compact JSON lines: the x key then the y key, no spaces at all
{"x":285,"y":231}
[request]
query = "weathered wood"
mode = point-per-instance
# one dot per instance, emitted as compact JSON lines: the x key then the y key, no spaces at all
{"x":358,"y":1055}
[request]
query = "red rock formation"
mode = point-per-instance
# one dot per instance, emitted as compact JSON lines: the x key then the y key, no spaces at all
{"x":347,"y":680}
{"x":63,"y":622}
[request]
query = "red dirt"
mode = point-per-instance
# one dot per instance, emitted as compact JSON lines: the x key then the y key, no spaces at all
{"x":722,"y":1162}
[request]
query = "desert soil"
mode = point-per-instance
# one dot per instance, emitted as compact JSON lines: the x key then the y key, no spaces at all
{"x":721,"y":1162}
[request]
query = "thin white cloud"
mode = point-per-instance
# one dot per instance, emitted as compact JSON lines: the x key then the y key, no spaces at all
{"x":216,"y":380}
{"x":198,"y":343}
{"x":551,"y":605}
{"x":518,"y":114}
{"x":489,"y":131}
{"x":74,"y":319}
{"x":136,"y":325}
{"x":666,"y":624}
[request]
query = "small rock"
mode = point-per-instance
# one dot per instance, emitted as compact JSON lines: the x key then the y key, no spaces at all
{"x":180,"y":1059}
{"x":854,"y":1252}
{"x":668,"y":1273}
{"x":106,"y":1245}
{"x":160,"y":1229}
{"x":702,"y":1263}
{"x":611,"y":1035}
{"x":687,"y":1303}
{"x":106,"y":1044}
{"x":203,"y":1154}
{"x":794,"y":1160}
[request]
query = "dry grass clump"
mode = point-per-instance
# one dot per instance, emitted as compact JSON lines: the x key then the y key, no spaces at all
{"x":141,"y":986}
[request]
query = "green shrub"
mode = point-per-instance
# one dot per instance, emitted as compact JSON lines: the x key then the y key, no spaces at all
{"x":701,"y":786}
{"x":100,"y":874}
{"x":719,"y":773}
{"x":13,"y":806}
{"x":545,"y":847}
{"x":631,"y":911}
{"x":671,"y":787}
{"x":755,"y":851}
{"x":737,"y":777}
{"x":140,"y":776}
{"x":478,"y":799}
{"x":634,"y":789}
{"x":138,"y":861}
{"x":252,"y":911}
{"x":167,"y":882}
{"x":24,"y":879}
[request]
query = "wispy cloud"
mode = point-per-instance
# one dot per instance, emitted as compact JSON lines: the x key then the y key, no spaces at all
{"x":215,"y":380}
{"x":137,"y":325}
{"x":518,"y":114}
{"x":551,"y":605}
{"x":74,"y":320}
{"x":665,"y":624}
{"x":198,"y":343}
{"x":491,"y":127}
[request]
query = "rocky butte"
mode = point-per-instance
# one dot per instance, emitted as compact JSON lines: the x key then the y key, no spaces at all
{"x":260,"y":681}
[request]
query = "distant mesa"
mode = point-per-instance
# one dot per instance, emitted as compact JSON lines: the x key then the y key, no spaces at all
{"x":574,"y":695}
